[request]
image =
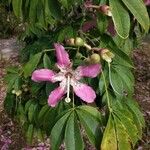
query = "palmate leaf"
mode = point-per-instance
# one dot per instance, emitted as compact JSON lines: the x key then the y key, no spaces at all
{"x":122,"y":131}
{"x":115,"y":135}
{"x":120,"y":18}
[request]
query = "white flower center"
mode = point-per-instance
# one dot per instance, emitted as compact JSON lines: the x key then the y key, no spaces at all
{"x":67,"y":99}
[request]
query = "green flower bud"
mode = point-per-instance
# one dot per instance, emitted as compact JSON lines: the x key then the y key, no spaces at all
{"x":95,"y":58}
{"x":79,"y":42}
{"x":13,"y":92}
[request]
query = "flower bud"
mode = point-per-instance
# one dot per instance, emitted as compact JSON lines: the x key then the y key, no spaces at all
{"x":26,"y":89}
{"x":95,"y":58}
{"x":79,"y":55}
{"x":71,"y":41}
{"x":105,"y":9}
{"x":107,"y":55}
{"x":79,"y":42}
{"x":13,"y":92}
{"x":18,"y":93}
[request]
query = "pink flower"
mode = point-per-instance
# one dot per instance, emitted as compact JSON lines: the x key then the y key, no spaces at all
{"x":147,"y":2}
{"x":67,"y":77}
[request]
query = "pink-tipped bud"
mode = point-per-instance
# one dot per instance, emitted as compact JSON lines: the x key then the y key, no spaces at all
{"x":107,"y":55}
{"x":70,"y":42}
{"x":105,"y":9}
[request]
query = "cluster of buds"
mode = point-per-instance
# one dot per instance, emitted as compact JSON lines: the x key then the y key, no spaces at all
{"x":17,"y":93}
{"x":78,"y":42}
{"x":105,"y":9}
{"x":105,"y":54}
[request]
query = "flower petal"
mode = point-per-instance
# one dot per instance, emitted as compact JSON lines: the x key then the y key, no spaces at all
{"x":43,"y":75}
{"x":85,"y":92}
{"x":55,"y":96}
{"x":88,"y":71}
{"x":62,"y":56}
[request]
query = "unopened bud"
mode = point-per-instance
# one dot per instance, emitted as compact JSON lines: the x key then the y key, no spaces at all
{"x":18,"y":93}
{"x":79,"y":55}
{"x":13,"y":92}
{"x":105,"y":9}
{"x":95,"y":58}
{"x":71,"y":41}
{"x":79,"y":42}
{"x":26,"y":89}
{"x":107,"y":55}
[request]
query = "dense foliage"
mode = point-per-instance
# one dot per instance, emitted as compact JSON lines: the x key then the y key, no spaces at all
{"x":100,"y":32}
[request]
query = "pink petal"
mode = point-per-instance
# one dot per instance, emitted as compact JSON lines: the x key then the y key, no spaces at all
{"x":85,"y":92}
{"x":43,"y":75}
{"x":55,"y":96}
{"x":88,"y":71}
{"x":62,"y":56}
{"x":147,"y":2}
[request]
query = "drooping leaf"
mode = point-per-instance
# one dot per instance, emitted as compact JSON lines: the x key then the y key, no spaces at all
{"x":139,"y":11}
{"x":120,"y":18}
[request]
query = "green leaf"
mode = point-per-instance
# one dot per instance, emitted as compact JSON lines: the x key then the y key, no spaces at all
{"x":65,"y":33}
{"x":29,"y":134}
{"x":57,"y":132}
{"x":102,"y":22}
{"x":33,"y":11}
{"x":55,"y":9}
{"x":137,"y":115}
{"x":73,"y":139}
{"x":17,"y":7}
{"x":27,"y":105}
{"x":49,"y":120}
{"x":120,"y":18}
{"x":42,"y":113}
{"x":130,"y":127}
{"x":139,"y":11}
{"x":109,"y":141}
{"x":9,"y":103}
{"x":46,"y":61}
{"x":32,"y":64}
{"x":92,"y":111}
{"x":122,"y":136}
{"x":91,"y":126}
{"x":32,"y":112}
